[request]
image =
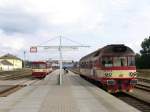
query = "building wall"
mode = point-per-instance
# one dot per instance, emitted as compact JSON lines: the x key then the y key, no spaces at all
{"x":17,"y":64}
{"x":6,"y":67}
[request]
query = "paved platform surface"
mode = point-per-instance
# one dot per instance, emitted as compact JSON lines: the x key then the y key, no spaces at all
{"x":75,"y":95}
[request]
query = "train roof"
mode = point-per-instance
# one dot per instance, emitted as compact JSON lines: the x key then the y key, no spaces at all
{"x":113,"y":49}
{"x":38,"y":62}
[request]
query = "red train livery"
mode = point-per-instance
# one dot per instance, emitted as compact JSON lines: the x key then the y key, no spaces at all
{"x":40,"y":69}
{"x":113,"y":66}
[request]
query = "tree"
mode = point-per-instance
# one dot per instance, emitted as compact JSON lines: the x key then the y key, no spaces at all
{"x":143,"y":60}
{"x":145,"y":46}
{"x":138,"y":60}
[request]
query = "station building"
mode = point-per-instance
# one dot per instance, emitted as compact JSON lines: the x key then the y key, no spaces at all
{"x":10,"y":62}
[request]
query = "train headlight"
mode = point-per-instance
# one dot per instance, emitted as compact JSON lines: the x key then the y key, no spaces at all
{"x":108,"y":74}
{"x":132,"y":74}
{"x":135,"y":74}
{"x":134,"y":82}
{"x":111,"y":82}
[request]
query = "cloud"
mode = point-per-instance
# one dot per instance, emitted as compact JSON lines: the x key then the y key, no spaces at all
{"x":96,"y":22}
{"x":16,"y":19}
{"x":30,"y":16}
{"x":13,"y":42}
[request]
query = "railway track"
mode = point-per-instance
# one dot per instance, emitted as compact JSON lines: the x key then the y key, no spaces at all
{"x":133,"y":101}
{"x":144,"y":84}
{"x":15,"y":74}
{"x":9,"y":90}
{"x":143,"y":87}
{"x":13,"y":86}
{"x":130,"y":99}
{"x":6,"y":90}
{"x":143,"y":80}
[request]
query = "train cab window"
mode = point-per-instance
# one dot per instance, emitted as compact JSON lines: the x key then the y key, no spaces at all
{"x":120,"y":61}
{"x":42,"y":66}
{"x":39,"y":66}
{"x":107,"y":61}
{"x":131,"y":61}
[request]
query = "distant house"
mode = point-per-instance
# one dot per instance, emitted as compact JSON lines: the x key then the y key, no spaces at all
{"x":6,"y":65}
{"x":13,"y":60}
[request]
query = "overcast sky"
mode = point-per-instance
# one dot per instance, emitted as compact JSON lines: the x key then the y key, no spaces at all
{"x":25,"y":23}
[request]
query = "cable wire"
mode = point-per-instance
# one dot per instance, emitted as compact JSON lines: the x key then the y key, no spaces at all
{"x":54,"y":38}
{"x":73,"y":41}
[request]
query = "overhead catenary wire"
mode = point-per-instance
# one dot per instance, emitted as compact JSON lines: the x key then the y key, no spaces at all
{"x":73,"y":41}
{"x":52,"y":39}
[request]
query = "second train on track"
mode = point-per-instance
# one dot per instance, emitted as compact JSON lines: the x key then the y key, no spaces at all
{"x":40,"y":69}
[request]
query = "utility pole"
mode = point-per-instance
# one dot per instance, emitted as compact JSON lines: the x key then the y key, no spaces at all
{"x":24,"y":64}
{"x":60,"y":61}
{"x":33,"y":49}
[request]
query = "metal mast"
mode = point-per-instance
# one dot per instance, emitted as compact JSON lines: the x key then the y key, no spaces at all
{"x":33,"y":49}
{"x":60,"y":61}
{"x":24,"y":64}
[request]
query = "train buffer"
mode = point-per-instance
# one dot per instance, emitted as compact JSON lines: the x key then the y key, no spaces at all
{"x":74,"y":95}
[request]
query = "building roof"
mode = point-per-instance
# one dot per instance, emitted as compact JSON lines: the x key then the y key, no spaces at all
{"x":9,"y":56}
{"x":38,"y":62}
{"x":5,"y":62}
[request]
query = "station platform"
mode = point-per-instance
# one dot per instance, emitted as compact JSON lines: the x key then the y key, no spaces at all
{"x":74,"y":95}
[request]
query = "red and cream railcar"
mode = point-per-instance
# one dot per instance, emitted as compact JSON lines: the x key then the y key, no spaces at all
{"x":113,"y":66}
{"x":40,"y":69}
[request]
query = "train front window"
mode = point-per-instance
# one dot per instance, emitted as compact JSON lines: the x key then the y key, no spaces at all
{"x":38,"y":66}
{"x":107,"y":61}
{"x":131,"y":61}
{"x":120,"y":61}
